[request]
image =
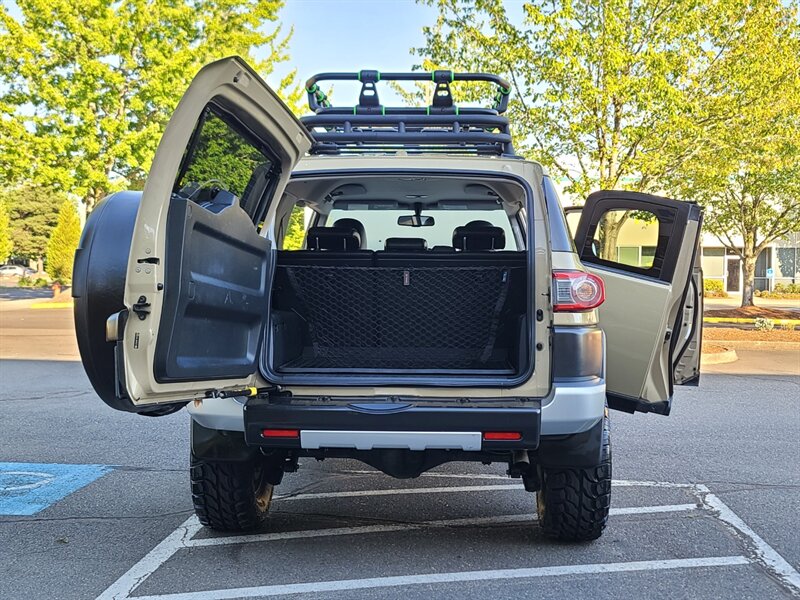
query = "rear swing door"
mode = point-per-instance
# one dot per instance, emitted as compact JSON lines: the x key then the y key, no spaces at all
{"x":646,"y":250}
{"x":198,"y":271}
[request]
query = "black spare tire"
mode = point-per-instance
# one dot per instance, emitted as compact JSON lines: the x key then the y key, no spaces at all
{"x":98,"y":285}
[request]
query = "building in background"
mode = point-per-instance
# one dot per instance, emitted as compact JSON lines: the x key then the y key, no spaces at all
{"x":778,"y":263}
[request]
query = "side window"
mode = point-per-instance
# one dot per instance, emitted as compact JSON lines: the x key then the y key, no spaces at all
{"x":627,"y":237}
{"x":624,"y":235}
{"x":296,"y":229}
{"x":222,"y":161}
{"x":573,"y":216}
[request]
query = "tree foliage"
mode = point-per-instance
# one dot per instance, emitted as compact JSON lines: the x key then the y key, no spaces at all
{"x":33,"y":211}
{"x":296,"y":231}
{"x":699,"y":99}
{"x":598,"y":86}
{"x":6,"y":244}
{"x":63,"y":242}
{"x":747,"y":174}
{"x":87,"y":87}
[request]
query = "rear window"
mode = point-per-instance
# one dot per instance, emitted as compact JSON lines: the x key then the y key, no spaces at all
{"x":223,"y":156}
{"x":382,"y":223}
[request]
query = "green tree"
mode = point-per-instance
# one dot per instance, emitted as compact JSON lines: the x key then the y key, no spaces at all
{"x":747,"y":174}
{"x":63,"y":242}
{"x":33,"y":211}
{"x":699,"y":98}
{"x":598,"y":86}
{"x":296,"y":231}
{"x":6,"y":244}
{"x":87,"y":87}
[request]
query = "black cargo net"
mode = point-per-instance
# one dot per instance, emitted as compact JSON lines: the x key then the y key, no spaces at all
{"x":402,"y":317}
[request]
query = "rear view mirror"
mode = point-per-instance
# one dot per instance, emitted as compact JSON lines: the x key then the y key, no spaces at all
{"x":415,"y":221}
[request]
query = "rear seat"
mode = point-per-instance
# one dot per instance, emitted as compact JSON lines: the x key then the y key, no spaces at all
{"x":477,"y":243}
{"x":335,"y":246}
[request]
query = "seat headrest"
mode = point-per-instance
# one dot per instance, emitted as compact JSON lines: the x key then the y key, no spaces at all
{"x":396,"y":244}
{"x":479,"y":235}
{"x":332,"y":238}
{"x":356,"y":226}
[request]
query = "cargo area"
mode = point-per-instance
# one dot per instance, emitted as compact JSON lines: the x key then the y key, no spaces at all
{"x":366,"y":296}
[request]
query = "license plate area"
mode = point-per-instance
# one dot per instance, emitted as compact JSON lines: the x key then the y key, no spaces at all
{"x":405,"y":440}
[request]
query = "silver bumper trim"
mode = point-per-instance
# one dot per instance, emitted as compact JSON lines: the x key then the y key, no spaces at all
{"x":407,"y":440}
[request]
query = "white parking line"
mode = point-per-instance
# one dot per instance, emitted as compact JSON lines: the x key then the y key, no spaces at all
{"x":383,"y":582}
{"x":151,"y":561}
{"x":364,"y":529}
{"x":764,"y":553}
{"x":183,"y":537}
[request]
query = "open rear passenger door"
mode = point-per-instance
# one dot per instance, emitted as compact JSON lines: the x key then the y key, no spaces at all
{"x":198,"y":270}
{"x":646,"y":250}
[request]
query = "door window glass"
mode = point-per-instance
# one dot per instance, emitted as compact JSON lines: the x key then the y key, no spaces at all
{"x":296,"y":229}
{"x":573,"y":217}
{"x":627,"y":237}
{"x":223,"y":158}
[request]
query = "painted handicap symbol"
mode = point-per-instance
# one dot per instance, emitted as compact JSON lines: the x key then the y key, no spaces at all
{"x":27,"y":488}
{"x":13,"y":481}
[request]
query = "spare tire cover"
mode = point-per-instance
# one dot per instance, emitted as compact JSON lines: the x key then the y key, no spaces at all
{"x":98,"y":285}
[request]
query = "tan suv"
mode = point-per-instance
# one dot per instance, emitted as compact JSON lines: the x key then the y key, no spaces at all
{"x":437,"y":309}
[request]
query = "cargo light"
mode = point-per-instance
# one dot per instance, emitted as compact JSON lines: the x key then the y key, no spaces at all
{"x":494,"y":436}
{"x":577,"y":291}
{"x":281,"y":433}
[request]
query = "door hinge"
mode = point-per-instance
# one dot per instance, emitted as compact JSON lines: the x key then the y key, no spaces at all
{"x":141,"y":308}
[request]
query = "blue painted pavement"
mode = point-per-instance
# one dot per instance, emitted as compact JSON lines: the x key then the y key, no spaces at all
{"x":27,"y":488}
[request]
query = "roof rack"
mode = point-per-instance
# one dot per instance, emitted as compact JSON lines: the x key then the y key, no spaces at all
{"x":443,"y":127}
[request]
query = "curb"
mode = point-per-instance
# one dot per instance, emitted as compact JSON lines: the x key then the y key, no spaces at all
{"x":750,"y":321}
{"x":51,"y":305}
{"x":757,"y":345}
{"x":719,"y":358}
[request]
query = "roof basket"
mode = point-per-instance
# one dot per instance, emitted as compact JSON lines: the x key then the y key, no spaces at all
{"x":443,"y":127}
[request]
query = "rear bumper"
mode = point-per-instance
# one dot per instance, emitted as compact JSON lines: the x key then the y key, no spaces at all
{"x":418,"y":425}
{"x":568,"y":409}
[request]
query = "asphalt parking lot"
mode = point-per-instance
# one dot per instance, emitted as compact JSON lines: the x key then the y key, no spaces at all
{"x":97,"y":505}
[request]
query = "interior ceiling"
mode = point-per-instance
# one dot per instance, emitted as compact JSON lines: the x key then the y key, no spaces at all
{"x":321,"y":194}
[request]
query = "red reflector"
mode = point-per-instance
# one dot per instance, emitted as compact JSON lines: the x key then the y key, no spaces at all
{"x":281,"y":433}
{"x":502,"y":435}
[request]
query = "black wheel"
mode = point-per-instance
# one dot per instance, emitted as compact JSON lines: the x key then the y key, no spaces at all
{"x":573,"y":503}
{"x":230,"y":496}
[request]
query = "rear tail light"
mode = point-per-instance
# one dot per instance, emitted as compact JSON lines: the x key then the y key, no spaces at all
{"x":501,"y":435}
{"x":281,"y":433}
{"x":576,"y":291}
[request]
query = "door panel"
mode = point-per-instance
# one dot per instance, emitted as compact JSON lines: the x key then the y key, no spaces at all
{"x":687,"y":357}
{"x":215,"y":295}
{"x":198,"y":266}
{"x":644,"y":248}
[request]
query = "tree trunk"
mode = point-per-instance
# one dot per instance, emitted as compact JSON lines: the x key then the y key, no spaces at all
{"x":749,"y":272}
{"x":609,"y":233}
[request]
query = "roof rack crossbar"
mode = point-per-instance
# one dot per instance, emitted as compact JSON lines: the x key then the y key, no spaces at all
{"x":317,"y":99}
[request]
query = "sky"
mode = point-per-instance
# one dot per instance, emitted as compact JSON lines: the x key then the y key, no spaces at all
{"x":350,"y":35}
